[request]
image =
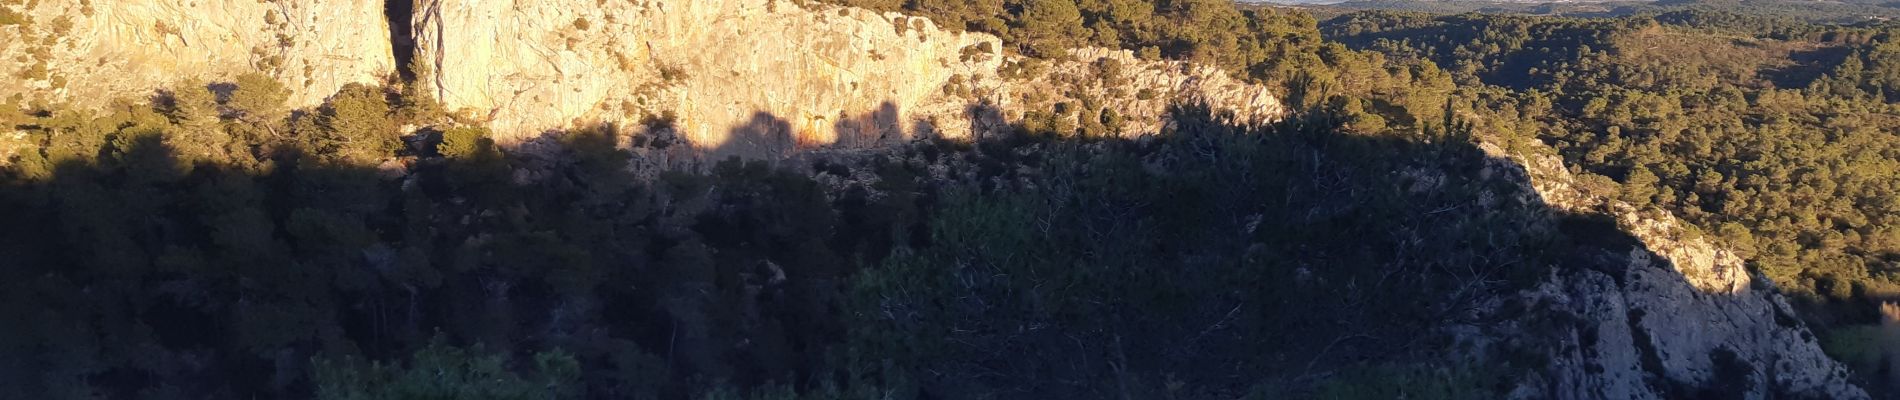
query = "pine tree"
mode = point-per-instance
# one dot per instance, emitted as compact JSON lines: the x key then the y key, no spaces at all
{"x":356,"y":126}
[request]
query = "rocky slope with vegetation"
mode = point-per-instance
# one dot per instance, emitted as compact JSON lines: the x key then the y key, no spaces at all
{"x":1034,"y":199}
{"x":1765,"y":133}
{"x":1678,"y":315}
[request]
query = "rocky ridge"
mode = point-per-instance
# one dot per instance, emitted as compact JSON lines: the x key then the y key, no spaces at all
{"x":760,"y":78}
{"x":763,"y":78}
{"x":1676,"y":315}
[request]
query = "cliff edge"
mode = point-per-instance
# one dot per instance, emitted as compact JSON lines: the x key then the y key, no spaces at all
{"x":763,"y":77}
{"x":1672,"y":315}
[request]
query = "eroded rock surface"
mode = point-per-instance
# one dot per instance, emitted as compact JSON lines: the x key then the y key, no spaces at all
{"x":764,"y":77}
{"x":85,"y":51}
{"x":1676,"y":315}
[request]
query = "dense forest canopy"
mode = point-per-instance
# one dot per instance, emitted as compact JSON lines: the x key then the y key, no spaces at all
{"x":214,"y":243}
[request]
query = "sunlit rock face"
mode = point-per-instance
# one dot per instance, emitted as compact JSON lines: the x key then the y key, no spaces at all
{"x":768,"y":70}
{"x":764,"y":77}
{"x":1140,"y":91}
{"x":732,"y":77}
{"x":83,"y":51}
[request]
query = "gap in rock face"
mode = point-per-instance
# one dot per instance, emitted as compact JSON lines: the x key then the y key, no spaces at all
{"x":402,"y":40}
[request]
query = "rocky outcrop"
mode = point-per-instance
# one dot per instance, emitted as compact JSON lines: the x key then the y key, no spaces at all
{"x":729,"y":77}
{"x":1705,"y":265}
{"x":765,"y":77}
{"x":83,"y":51}
{"x":1095,"y":84}
{"x":768,"y":70}
{"x":1675,"y":315}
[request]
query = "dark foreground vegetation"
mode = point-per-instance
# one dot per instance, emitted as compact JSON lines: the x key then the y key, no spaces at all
{"x":1768,"y":125}
{"x":218,"y":246}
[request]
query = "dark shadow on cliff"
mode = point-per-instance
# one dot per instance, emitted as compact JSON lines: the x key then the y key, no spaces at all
{"x":771,"y":138}
{"x":1283,"y":260}
{"x":878,"y":128}
{"x":764,"y":137}
{"x":398,"y":15}
{"x":775,"y":140}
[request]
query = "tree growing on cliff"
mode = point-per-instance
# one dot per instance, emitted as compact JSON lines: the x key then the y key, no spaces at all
{"x":418,"y":104}
{"x":195,"y":134}
{"x":355,"y":126}
{"x":258,"y":98}
{"x":979,"y":15}
{"x":1049,"y":27}
{"x":880,"y":5}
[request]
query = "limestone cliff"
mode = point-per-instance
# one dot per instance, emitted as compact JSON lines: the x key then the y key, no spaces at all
{"x":717,"y":65}
{"x":102,"y":49}
{"x":1675,"y":315}
{"x":764,"y":77}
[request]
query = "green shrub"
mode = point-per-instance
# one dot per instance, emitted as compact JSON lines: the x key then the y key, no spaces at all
{"x":356,"y":125}
{"x":440,"y":371}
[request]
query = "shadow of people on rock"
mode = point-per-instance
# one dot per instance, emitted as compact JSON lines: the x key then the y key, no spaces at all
{"x":877,"y":128}
{"x":764,"y":137}
{"x":986,"y":120}
{"x":772,"y":138}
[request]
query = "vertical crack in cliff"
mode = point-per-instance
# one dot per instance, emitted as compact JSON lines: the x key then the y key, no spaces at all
{"x":430,"y":18}
{"x":402,"y":39}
